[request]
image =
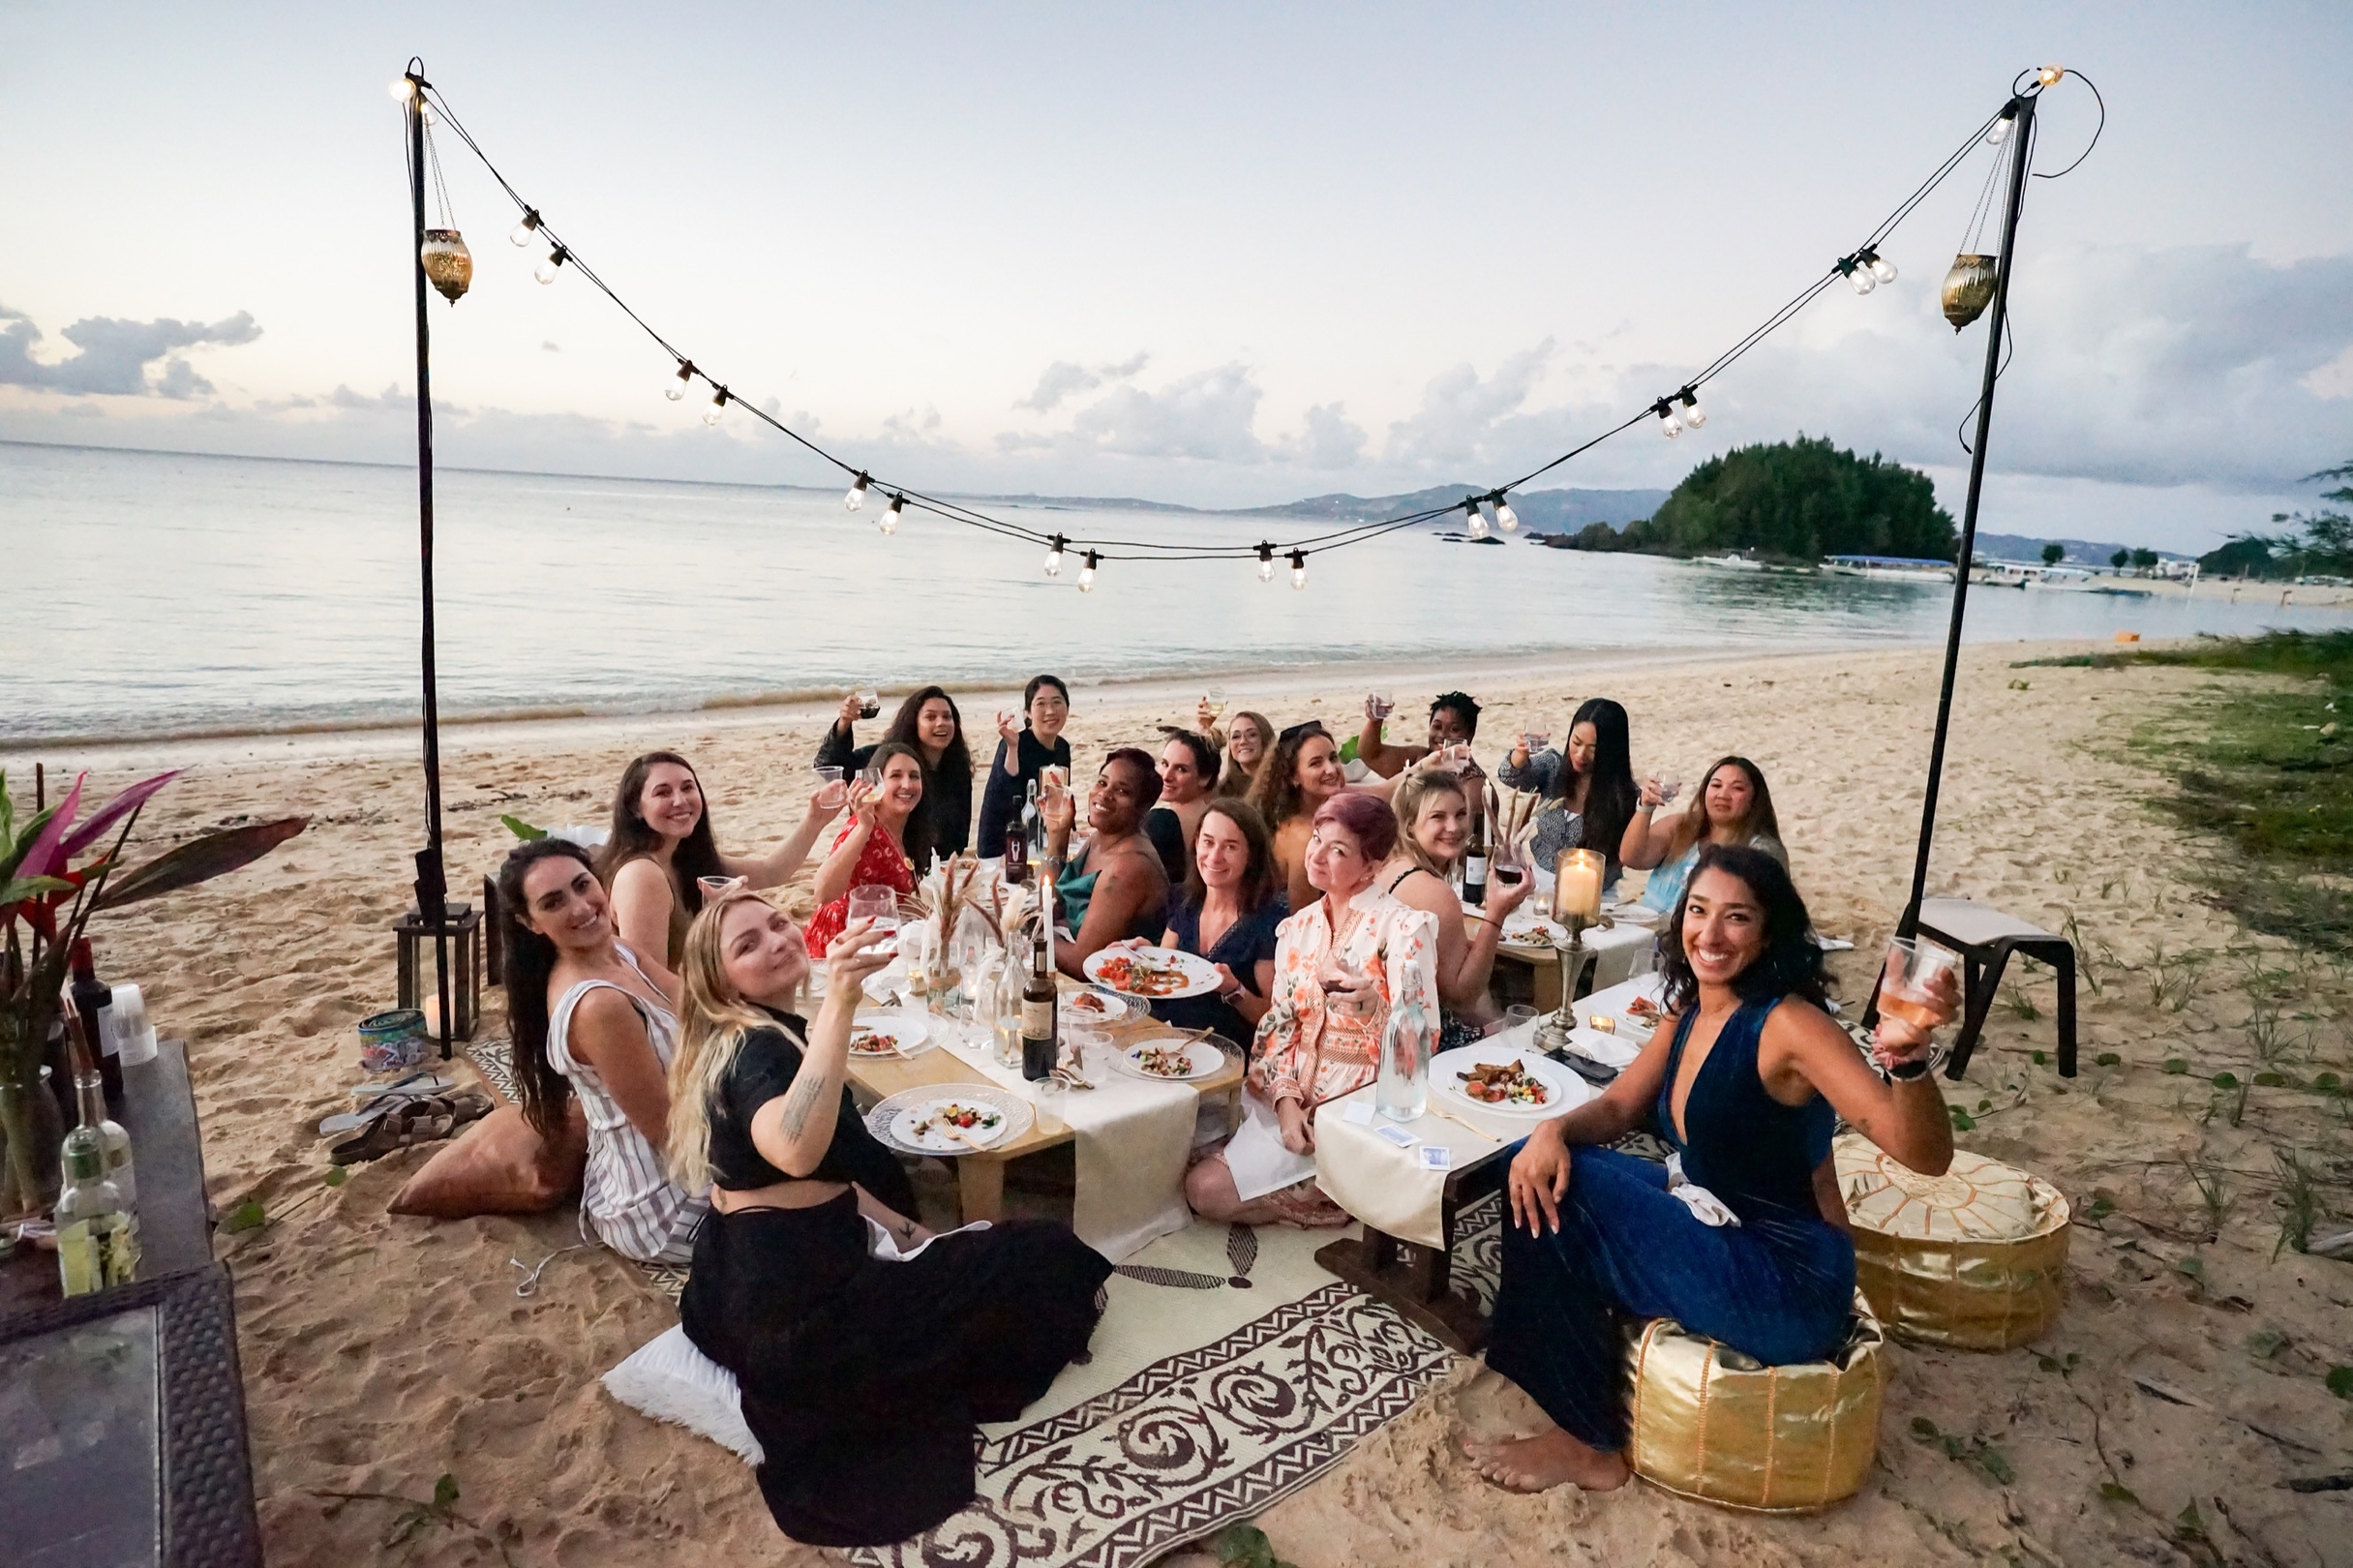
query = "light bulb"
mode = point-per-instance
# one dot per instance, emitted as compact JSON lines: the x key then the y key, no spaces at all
{"x":1086,"y":572}
{"x":856,"y":500}
{"x":1299,"y":568}
{"x":1505,"y":518}
{"x":1861,"y":280}
{"x":1478,"y":522}
{"x":717,"y":409}
{"x":676,"y":391}
{"x":548,"y":264}
{"x":431,"y":118}
{"x":1053,"y":557}
{"x":1669,"y":426}
{"x":1266,"y":563}
{"x":402,"y":90}
{"x":892,"y":514}
{"x":2049,"y":75}
{"x":521,"y":235}
{"x":1693,"y":414}
{"x":1999,"y":133}
{"x":1882,"y":268}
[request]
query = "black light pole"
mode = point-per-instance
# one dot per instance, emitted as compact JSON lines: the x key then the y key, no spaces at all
{"x":432,"y":883}
{"x":2021,"y":135}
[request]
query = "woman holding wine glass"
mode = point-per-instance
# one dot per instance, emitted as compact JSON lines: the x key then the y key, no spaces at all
{"x":1733,"y":806}
{"x":1028,"y":744}
{"x":1746,"y":1077}
{"x":1588,"y":790}
{"x":661,"y":847}
{"x":1344,"y":964}
{"x":871,"y":850}
{"x":930,"y":722}
{"x":1114,"y":888}
{"x":1433,"y":821}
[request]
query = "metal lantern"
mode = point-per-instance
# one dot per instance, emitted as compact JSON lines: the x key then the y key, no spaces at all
{"x":448,"y":266}
{"x":1969,"y":288}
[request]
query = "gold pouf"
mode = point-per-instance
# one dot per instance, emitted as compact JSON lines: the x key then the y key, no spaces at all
{"x":1713,"y":1424}
{"x":1972,"y":1259}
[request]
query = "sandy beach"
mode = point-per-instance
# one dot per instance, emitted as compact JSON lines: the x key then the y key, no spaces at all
{"x":380,"y":1352}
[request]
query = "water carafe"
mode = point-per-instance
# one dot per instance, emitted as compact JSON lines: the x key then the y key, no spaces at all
{"x":1402,"y":1092}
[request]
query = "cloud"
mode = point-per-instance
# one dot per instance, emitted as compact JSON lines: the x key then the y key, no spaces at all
{"x":1207,"y":416}
{"x":1065,"y":379}
{"x":114,"y":355}
{"x":1327,"y":440}
{"x":1463,"y":420}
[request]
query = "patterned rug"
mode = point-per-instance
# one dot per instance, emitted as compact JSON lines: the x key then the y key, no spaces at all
{"x":1228,"y":1371}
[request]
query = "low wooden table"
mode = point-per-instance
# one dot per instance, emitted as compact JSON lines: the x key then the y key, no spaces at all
{"x":1419,"y":1280}
{"x":980,"y":1176}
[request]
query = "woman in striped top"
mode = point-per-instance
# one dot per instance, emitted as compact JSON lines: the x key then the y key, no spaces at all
{"x":590,"y":1018}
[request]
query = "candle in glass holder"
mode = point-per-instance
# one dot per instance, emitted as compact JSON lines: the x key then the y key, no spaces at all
{"x":1576,"y":886}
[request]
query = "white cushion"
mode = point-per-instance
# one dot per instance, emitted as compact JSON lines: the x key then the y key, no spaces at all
{"x":670,"y":1380}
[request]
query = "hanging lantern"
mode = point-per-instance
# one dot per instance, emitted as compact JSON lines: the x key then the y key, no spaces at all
{"x":448,"y":266}
{"x":1969,"y":288}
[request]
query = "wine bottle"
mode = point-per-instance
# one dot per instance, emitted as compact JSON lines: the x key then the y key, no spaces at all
{"x":1474,"y":861}
{"x":97,"y":1245}
{"x":90,"y":1001}
{"x":115,"y":1142}
{"x":1041,"y":1040}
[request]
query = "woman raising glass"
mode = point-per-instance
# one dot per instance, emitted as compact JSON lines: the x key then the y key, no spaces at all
{"x":1588,"y":792}
{"x":865,"y":1349}
{"x":1434,"y":819}
{"x":1026,"y":747}
{"x":1733,"y":807}
{"x":661,"y":846}
{"x":1226,"y":914}
{"x":1114,"y":888}
{"x":871,"y":851}
{"x":929,"y":721}
{"x":1746,"y":1079}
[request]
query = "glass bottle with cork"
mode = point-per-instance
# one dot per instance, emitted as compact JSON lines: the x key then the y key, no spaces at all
{"x":97,"y":1233}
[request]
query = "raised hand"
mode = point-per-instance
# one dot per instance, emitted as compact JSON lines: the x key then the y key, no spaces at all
{"x":849,"y":714}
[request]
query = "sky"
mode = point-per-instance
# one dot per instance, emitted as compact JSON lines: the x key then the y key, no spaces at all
{"x":1219,"y":254}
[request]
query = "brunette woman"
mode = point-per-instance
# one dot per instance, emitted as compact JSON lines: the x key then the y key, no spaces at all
{"x":662,"y":845}
{"x":1433,"y":821}
{"x":929,"y":721}
{"x":1344,"y":966}
{"x":871,"y":850}
{"x":1026,"y":747}
{"x":1588,"y":792}
{"x":1114,"y":886}
{"x":1745,"y":1079}
{"x":1226,"y":912}
{"x":1188,"y":772}
{"x":1249,"y":738}
{"x":589,"y":1019}
{"x":866,"y":1350}
{"x":1300,"y":773}
{"x":1733,"y":806}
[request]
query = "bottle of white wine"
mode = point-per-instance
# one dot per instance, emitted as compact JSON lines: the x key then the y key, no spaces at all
{"x":95,"y":1246}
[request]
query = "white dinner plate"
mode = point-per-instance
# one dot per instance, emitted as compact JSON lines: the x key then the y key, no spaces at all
{"x":919,"y":1126}
{"x":1205,"y":1058}
{"x":892,"y":1034}
{"x":1095,"y":1006}
{"x":1199,"y":975}
{"x":1565,"y":1089}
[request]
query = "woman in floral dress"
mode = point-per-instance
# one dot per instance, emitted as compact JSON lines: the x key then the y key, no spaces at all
{"x":871,"y":851}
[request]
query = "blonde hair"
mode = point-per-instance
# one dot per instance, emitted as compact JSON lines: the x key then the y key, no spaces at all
{"x":1416,"y":791}
{"x":712,"y":1024}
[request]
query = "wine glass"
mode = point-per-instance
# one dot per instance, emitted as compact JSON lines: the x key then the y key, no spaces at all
{"x":1214,"y":699}
{"x":1669,"y":788}
{"x":870,"y":704}
{"x":880,"y":904}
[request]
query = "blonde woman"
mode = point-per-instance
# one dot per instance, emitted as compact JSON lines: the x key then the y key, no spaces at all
{"x":1434,"y":823}
{"x":866,"y":1350}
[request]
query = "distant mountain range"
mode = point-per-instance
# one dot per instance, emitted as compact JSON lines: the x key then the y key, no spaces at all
{"x":1544,"y":510}
{"x":2080,"y":552}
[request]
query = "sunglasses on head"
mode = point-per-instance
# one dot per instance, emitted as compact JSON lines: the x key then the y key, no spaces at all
{"x":1311,"y":727}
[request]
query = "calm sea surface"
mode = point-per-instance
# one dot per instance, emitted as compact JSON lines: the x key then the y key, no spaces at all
{"x":153,"y":594}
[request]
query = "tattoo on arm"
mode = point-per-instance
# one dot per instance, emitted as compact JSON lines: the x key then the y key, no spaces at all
{"x":808,"y":1093}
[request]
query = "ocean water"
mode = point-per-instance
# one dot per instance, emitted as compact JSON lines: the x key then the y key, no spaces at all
{"x":155,"y":594}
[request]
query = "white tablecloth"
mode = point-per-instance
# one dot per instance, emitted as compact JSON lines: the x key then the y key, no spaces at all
{"x":1619,"y":952}
{"x":1132,"y":1142}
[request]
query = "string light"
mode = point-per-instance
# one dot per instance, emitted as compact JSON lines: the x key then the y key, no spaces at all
{"x":1053,"y":557}
{"x":1505,"y":518}
{"x":1670,"y":425}
{"x":545,"y":272}
{"x":676,"y":391}
{"x":403,"y":90}
{"x":1478,"y":519}
{"x":1881,"y":267}
{"x":1086,"y":572}
{"x":2000,"y":131}
{"x":1299,"y":568}
{"x":521,"y":235}
{"x":1859,"y":278}
{"x":1266,"y":561}
{"x":1693,"y":414}
{"x":856,"y":500}
{"x":717,"y":409}
{"x":2049,"y":75}
{"x":891,"y":515}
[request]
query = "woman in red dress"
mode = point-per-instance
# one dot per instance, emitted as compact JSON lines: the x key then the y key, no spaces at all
{"x":871,"y":850}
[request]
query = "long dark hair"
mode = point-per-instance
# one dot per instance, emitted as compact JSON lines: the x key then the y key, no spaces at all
{"x":635,"y":840}
{"x":955,"y":762}
{"x":1760,"y":823}
{"x":1261,"y":878}
{"x":1790,"y":965}
{"x":541,"y":1090}
{"x":1236,"y":780}
{"x":1611,"y":792}
{"x":1275,"y":791}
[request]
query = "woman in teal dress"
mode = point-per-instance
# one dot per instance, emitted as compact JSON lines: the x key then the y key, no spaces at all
{"x":1113,"y":887}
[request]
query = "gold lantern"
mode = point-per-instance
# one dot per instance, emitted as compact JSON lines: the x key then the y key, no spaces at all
{"x":1969,"y":288}
{"x":448,"y":266}
{"x":1974,"y":1259}
{"x":1711,"y":1424}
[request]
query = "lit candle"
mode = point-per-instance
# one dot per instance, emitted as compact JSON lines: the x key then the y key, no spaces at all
{"x":1576,"y":886}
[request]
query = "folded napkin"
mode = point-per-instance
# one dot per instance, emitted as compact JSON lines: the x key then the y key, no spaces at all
{"x":1704,"y":1205}
{"x":884,"y":1247}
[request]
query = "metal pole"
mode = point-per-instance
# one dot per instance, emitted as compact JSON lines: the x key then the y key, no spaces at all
{"x":2021,"y":135}
{"x":432,"y":883}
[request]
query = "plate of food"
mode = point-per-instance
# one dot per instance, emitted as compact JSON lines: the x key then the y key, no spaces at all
{"x":890,"y":1033}
{"x":950,"y":1123}
{"x":1170,"y":1059}
{"x":1155,"y":973}
{"x":1090,"y":1004}
{"x":1500,"y":1081}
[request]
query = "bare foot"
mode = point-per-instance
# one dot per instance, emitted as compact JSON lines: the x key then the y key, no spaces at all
{"x":1545,"y":1461}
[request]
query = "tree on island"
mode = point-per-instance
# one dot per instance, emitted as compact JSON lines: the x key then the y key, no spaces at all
{"x":2054,"y":554}
{"x":2316,"y":544}
{"x":1792,"y":501}
{"x":2121,"y":560}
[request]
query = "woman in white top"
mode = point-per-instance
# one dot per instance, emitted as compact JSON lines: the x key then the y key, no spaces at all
{"x":589,"y":1019}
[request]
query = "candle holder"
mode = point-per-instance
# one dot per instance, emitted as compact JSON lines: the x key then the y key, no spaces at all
{"x":1553,"y":1034}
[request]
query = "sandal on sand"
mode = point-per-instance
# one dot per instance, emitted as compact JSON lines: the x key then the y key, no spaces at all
{"x":408,"y":1122}
{"x":416,"y":1083}
{"x":375,"y":1099}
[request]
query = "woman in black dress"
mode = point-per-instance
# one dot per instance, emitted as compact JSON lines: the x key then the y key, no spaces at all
{"x":929,"y":722}
{"x":863,"y":1369}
